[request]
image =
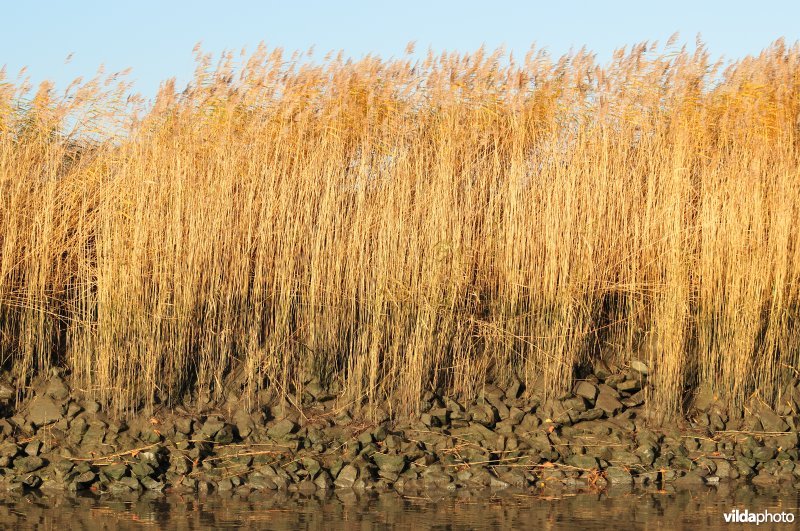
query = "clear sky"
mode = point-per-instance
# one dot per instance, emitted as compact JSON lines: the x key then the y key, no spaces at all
{"x":156,"y":38}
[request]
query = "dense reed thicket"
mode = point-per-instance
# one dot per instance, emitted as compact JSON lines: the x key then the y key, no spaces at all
{"x":407,"y":224}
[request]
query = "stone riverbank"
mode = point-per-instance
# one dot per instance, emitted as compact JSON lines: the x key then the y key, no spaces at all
{"x":600,"y":435}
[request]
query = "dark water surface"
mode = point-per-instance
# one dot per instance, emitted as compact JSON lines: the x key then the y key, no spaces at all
{"x":699,"y":509}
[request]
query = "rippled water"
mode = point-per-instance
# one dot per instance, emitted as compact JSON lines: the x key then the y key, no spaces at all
{"x":700,"y":509}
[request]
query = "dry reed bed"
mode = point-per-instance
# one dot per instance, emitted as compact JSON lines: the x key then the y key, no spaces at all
{"x":400,"y":225}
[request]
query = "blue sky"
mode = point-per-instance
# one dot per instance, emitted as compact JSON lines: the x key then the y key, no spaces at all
{"x":156,"y":41}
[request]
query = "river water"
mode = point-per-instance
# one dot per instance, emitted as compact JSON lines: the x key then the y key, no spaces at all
{"x":698,"y":509}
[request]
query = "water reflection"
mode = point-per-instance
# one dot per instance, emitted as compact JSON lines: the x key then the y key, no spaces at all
{"x":621,"y":510}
